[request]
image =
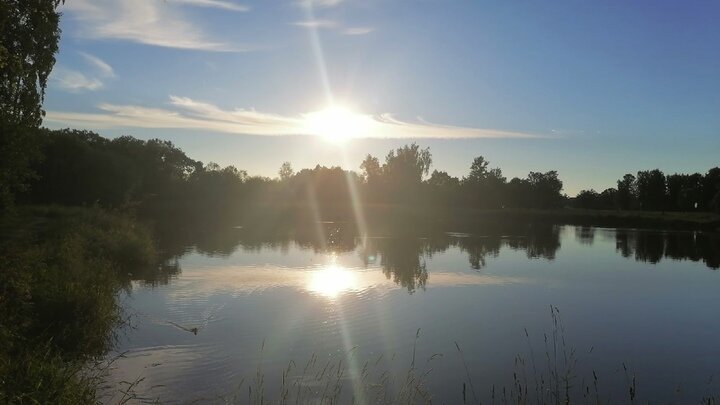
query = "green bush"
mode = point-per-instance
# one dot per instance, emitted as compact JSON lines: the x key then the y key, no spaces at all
{"x":59,"y":278}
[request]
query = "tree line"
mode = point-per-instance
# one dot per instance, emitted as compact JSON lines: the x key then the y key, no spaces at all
{"x":652,"y":190}
{"x":84,"y":168}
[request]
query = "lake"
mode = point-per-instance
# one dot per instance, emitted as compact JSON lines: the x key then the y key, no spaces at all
{"x":322,"y":314}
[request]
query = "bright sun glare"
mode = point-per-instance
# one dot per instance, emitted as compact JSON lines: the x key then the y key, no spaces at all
{"x":331,"y":281}
{"x":337,"y":124}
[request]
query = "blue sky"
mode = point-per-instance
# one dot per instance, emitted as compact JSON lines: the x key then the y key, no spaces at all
{"x":593,"y":89}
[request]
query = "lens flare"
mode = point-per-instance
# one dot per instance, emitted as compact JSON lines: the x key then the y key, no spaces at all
{"x":337,"y":124}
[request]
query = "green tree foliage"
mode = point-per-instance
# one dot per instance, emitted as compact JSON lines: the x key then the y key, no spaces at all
{"x":371,"y":169}
{"x":286,"y":171}
{"x":399,"y":179}
{"x":478,"y":170}
{"x":443,"y":180}
{"x":591,"y":199}
{"x":684,"y":191}
{"x":29,"y":35}
{"x":651,"y":190}
{"x":325,"y":188}
{"x":82,"y":168}
{"x":483,"y":187}
{"x":407,"y":165}
{"x":59,"y":278}
{"x":711,"y":190}
{"x":626,"y":192}
{"x":545,"y":189}
{"x":443,"y":189}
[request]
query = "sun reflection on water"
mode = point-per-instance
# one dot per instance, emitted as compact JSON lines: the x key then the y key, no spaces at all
{"x":331,"y":281}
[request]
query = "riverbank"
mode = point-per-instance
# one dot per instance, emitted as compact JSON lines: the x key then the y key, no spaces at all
{"x":61,"y":271}
{"x":706,"y":221}
{"x":468,"y":219}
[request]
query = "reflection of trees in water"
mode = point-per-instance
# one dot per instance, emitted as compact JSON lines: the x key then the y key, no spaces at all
{"x":585,"y":235}
{"x":480,"y":248}
{"x":649,"y":246}
{"x":653,"y":246}
{"x":401,"y":259}
{"x":402,"y":255}
{"x":158,"y":275}
{"x":541,"y":241}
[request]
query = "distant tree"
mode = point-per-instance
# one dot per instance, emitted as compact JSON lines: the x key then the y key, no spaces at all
{"x":442,"y":180}
{"x":711,"y":188}
{"x":371,"y":169}
{"x":483,"y":187}
{"x":286,"y":171}
{"x":403,"y":173}
{"x":81,"y":167}
{"x":545,"y":188}
{"x":626,"y":192}
{"x":443,"y":189}
{"x":652,"y":190}
{"x":608,"y":199}
{"x":587,"y":199}
{"x":519,"y":193}
{"x":407,"y":164}
{"x":591,"y":199}
{"x":496,"y":175}
{"x":478,"y":170}
{"x":326,"y":188}
{"x":684,"y":191}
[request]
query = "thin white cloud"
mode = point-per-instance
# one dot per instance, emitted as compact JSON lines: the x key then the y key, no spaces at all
{"x":150,"y":22}
{"x":333,"y":25}
{"x":74,"y":81}
{"x":358,"y":30}
{"x":317,"y":24}
{"x":320,"y":3}
{"x":103,"y":68}
{"x":224,"y":5}
{"x":187,"y":113}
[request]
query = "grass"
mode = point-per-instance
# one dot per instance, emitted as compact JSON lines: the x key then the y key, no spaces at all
{"x":549,"y":377}
{"x":61,"y":271}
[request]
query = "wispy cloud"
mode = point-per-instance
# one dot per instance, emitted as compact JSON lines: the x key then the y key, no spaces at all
{"x":333,"y":25}
{"x":75,"y":81}
{"x":317,"y":24}
{"x":223,"y":5}
{"x":103,"y":68}
{"x":357,"y":30}
{"x":150,"y":22}
{"x":319,"y":3}
{"x":187,"y":113}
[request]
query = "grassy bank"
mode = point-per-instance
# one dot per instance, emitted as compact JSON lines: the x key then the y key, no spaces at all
{"x":605,"y":218}
{"x":61,"y":271}
{"x":464,"y":218}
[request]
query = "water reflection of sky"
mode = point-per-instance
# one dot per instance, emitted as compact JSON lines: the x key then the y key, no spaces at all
{"x":328,"y":279}
{"x":269,"y":305}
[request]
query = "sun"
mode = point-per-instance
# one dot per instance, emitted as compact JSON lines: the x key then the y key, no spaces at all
{"x":337,"y":123}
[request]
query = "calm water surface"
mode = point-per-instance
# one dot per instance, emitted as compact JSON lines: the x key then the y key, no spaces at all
{"x":237,"y":304}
